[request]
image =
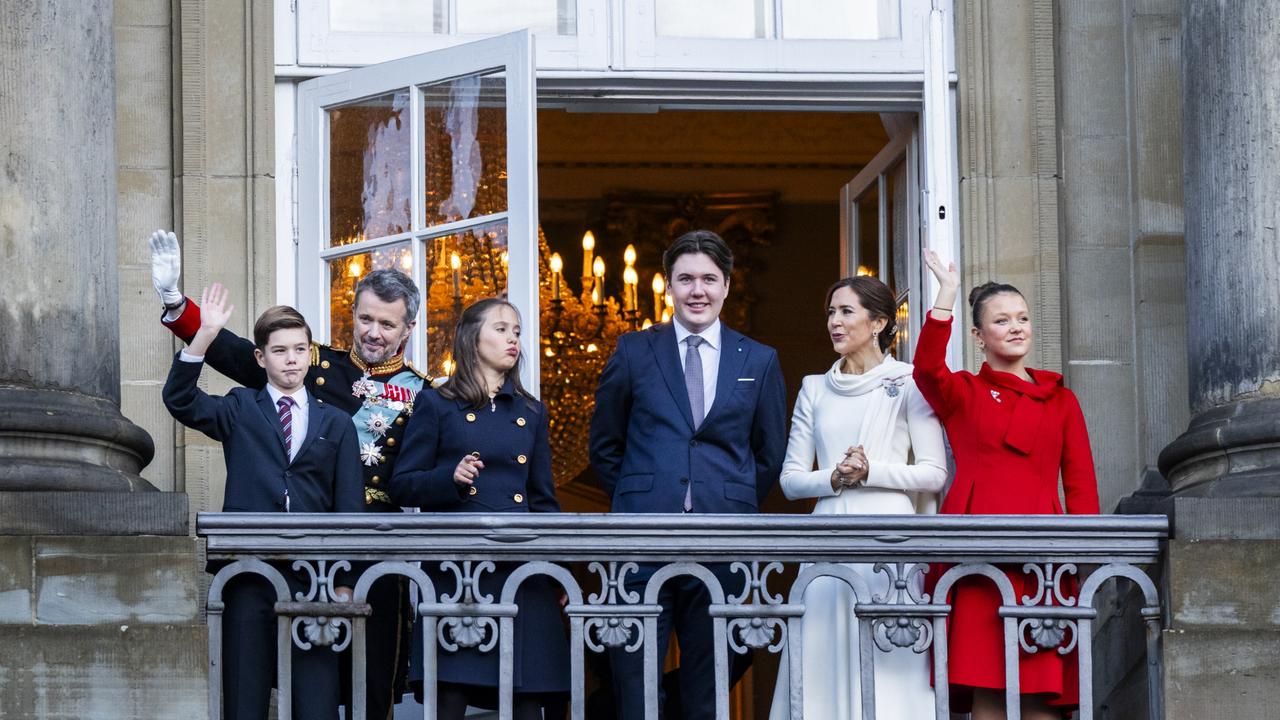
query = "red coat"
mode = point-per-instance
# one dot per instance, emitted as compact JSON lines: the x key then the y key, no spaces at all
{"x":1012,"y":440}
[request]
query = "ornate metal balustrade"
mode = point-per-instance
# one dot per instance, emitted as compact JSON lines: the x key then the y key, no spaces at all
{"x":1058,"y":617}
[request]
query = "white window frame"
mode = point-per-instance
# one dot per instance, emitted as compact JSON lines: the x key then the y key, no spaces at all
{"x":644,"y":49}
{"x":319,"y":45}
{"x":511,"y":54}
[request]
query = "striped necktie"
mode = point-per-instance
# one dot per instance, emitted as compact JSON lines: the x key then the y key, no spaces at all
{"x":285,"y":405}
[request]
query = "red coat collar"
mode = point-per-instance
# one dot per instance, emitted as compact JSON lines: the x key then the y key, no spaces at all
{"x":1028,"y":409}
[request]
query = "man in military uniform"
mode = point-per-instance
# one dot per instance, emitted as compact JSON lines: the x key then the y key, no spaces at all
{"x":374,"y":384}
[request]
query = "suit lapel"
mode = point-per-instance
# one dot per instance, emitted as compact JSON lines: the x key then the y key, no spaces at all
{"x":314,"y":419}
{"x":269,"y":412}
{"x":733,"y":356}
{"x":667,"y":355}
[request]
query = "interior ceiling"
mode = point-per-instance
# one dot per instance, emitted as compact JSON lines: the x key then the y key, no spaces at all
{"x":804,"y":156}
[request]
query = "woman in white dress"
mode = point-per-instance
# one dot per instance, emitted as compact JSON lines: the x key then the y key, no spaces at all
{"x":879,"y":451}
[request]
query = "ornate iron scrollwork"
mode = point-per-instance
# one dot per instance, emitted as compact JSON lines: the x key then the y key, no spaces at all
{"x":600,"y":633}
{"x":321,"y":630}
{"x":1048,"y":633}
{"x":905,"y":589}
{"x":757,"y":632}
{"x":468,"y":631}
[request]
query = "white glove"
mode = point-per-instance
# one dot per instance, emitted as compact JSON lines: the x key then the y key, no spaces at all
{"x":166,"y":267}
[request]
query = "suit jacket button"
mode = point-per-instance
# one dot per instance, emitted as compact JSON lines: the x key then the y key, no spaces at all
{"x":391,"y":442}
{"x":324,"y":364}
{"x":693,"y":443}
{"x":520,"y":422}
{"x":319,"y":381}
{"x":471,"y":417}
{"x":472,"y":491}
{"x":522,"y":459}
{"x":518,"y":497}
{"x":684,"y":481}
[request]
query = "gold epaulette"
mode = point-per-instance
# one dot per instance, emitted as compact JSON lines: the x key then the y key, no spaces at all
{"x":425,"y":377}
{"x":315,"y":354}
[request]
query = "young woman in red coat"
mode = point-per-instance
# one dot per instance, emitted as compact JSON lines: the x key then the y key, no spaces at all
{"x":1014,"y":431}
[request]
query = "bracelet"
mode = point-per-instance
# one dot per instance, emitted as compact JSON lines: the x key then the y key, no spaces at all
{"x":942,"y":309}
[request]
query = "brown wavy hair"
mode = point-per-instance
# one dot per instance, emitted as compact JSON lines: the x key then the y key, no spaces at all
{"x":467,"y":383}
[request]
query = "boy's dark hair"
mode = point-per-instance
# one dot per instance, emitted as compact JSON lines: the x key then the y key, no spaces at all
{"x":279,"y":317}
{"x":699,"y":241}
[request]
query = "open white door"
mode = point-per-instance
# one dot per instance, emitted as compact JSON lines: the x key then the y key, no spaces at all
{"x":427,"y":164}
{"x":904,"y":199}
{"x":880,"y":226}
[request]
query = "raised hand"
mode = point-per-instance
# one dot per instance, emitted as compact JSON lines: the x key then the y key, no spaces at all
{"x":215,"y":311}
{"x":166,"y":267}
{"x":948,"y":284}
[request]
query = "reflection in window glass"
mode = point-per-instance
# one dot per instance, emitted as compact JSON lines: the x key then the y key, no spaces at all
{"x":490,"y":17}
{"x":840,"y":19}
{"x":369,"y":169}
{"x":466,"y":148}
{"x":388,"y":16}
{"x":345,"y":273}
{"x":461,"y":269}
{"x":715,"y":18}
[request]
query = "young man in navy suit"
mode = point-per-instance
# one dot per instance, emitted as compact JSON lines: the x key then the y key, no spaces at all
{"x":690,"y":417}
{"x":285,"y":452}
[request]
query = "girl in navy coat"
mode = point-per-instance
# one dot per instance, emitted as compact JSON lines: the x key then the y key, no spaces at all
{"x":478,"y":443}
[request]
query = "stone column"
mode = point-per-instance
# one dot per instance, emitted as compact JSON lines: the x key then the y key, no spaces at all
{"x":1231,"y":134}
{"x":1222,"y":646}
{"x":61,"y":428}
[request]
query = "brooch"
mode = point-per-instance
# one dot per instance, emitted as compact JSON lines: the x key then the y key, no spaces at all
{"x":996,"y":396}
{"x":364,"y":387}
{"x":892,"y":387}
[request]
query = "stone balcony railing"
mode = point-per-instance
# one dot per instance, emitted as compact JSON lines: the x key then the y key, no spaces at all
{"x":1095,"y":551}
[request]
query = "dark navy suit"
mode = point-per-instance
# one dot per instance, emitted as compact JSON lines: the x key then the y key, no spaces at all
{"x":324,"y":476}
{"x":510,"y":436}
{"x":646,"y":452}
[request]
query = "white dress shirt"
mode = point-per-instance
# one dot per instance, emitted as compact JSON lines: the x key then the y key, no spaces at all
{"x":709,"y":351}
{"x":299,"y":413}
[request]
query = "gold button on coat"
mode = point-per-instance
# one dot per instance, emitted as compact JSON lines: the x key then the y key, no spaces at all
{"x":376,"y":479}
{"x":472,"y":491}
{"x":399,"y":421}
{"x":319,"y":381}
{"x":391,"y":442}
{"x":520,"y":422}
{"x":471,"y":417}
{"x":518,"y":497}
{"x":324,"y":364}
{"x":522,"y":459}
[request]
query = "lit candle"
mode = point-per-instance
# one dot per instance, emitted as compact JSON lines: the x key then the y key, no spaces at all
{"x":447,"y":366}
{"x":595,"y":296}
{"x":455,"y":262}
{"x":659,"y":288}
{"x":630,"y":280}
{"x":629,"y":255}
{"x":597,"y":272}
{"x":666,"y":315}
{"x":354,"y":268}
{"x":556,"y":266}
{"x":588,"y":245}
{"x":647,"y":324}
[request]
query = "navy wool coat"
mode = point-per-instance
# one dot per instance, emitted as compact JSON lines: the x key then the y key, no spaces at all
{"x":510,"y":436}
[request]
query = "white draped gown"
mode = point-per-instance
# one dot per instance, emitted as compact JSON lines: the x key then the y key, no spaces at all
{"x":884,"y":412}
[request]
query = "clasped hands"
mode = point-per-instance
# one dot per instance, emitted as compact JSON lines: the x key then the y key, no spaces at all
{"x":852,"y":470}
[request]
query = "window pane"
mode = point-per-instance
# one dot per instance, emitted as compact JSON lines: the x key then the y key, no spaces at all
{"x":481,"y":272}
{"x":868,"y":205}
{"x":715,"y":18}
{"x":840,"y":19}
{"x":490,"y":17}
{"x":369,"y":171}
{"x":466,"y":148}
{"x":345,"y":273}
{"x":380,"y":16}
